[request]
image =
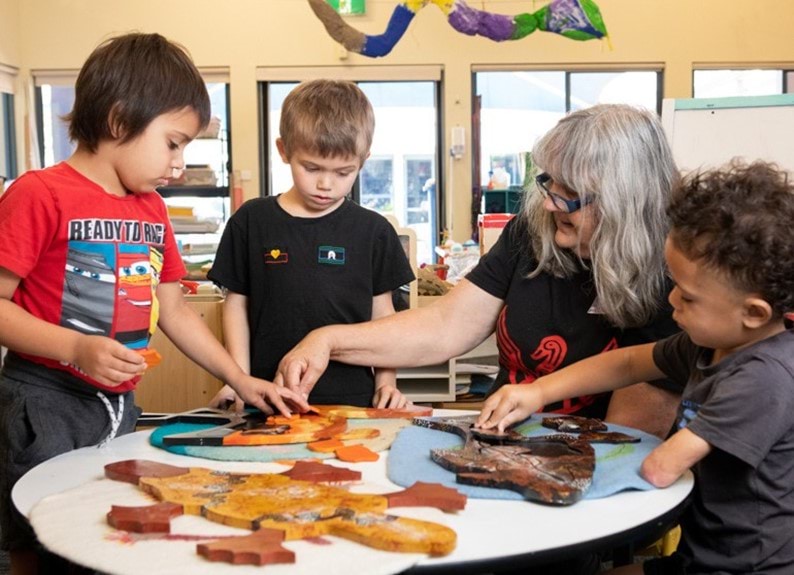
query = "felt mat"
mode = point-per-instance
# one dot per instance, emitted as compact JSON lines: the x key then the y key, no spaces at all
{"x":617,"y":466}
{"x":293,"y":451}
{"x":73,"y":525}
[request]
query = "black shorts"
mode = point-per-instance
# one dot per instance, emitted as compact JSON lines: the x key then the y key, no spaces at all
{"x":44,"y":413}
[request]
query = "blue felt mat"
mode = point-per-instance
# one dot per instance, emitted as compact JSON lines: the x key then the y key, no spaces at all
{"x":267,"y":453}
{"x":617,"y":466}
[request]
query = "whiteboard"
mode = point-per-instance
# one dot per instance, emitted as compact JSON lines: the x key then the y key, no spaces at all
{"x":708,"y":132}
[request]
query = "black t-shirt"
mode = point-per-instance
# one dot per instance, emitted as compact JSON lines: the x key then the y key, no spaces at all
{"x":548,"y":322}
{"x":303,"y":273}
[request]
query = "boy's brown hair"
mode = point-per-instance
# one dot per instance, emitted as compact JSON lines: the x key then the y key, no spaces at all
{"x":331,"y":118}
{"x":127,"y":82}
{"x":738,"y":221}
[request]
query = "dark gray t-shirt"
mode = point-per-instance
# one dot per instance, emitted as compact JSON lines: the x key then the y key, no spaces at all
{"x":742,"y":516}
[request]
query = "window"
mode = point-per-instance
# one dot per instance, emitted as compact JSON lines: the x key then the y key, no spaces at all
{"x":757,"y":82}
{"x":203,"y":195}
{"x":400,"y":177}
{"x":8,"y":156}
{"x":517,"y":107}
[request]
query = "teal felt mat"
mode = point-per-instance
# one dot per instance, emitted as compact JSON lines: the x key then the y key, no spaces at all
{"x":617,"y":466}
{"x":266,"y":453}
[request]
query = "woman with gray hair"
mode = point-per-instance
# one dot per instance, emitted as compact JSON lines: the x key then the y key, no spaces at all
{"x":579,"y":271}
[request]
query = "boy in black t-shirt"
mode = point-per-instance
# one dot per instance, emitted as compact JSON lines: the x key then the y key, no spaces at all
{"x":729,"y":255}
{"x":309,"y":257}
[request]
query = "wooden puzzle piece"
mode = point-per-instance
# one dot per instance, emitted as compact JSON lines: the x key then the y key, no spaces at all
{"x":321,"y":473}
{"x":299,"y":509}
{"x":573,"y":424}
{"x":262,"y":547}
{"x":355,"y":454}
{"x":131,"y":470}
{"x":422,"y":494}
{"x":147,"y":519}
{"x":551,"y":469}
{"x":608,"y":437}
{"x":352,"y":412}
{"x":152,"y":357}
{"x":325,"y":446}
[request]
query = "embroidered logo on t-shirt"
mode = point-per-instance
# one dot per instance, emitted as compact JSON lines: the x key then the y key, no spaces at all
{"x":276,"y":256}
{"x":331,"y":255}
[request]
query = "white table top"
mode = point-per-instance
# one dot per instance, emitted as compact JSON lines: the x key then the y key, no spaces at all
{"x":488,"y":530}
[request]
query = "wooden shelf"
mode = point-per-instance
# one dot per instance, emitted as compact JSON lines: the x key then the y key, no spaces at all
{"x":194,"y":191}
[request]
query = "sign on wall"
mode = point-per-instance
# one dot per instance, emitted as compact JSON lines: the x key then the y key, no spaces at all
{"x":349,"y":7}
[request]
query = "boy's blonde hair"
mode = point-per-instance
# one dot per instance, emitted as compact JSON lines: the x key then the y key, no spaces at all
{"x":332,"y":118}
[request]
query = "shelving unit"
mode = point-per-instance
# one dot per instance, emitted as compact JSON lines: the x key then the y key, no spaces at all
{"x":436,"y":383}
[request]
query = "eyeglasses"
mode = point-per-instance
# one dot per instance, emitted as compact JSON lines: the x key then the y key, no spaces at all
{"x":543,"y":181}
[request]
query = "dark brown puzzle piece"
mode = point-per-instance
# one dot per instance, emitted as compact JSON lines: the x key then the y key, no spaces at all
{"x":146,"y":519}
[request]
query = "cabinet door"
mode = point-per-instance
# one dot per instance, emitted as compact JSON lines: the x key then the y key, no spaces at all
{"x":177,"y":384}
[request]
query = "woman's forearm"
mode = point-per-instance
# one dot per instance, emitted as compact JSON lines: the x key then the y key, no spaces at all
{"x":456,"y":323}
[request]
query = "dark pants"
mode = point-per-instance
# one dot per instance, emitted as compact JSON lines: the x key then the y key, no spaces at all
{"x":43,"y":413}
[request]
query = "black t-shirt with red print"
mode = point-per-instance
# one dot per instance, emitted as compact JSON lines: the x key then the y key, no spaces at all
{"x":548,"y":322}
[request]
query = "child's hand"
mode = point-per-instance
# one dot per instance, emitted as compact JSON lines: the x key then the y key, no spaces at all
{"x":107,"y":361}
{"x":389,"y":397}
{"x":226,"y":398}
{"x":509,"y":405}
{"x":266,"y":396}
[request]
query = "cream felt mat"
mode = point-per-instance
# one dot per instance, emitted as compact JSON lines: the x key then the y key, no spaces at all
{"x":73,"y":525}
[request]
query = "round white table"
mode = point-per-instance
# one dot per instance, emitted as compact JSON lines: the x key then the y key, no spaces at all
{"x":492,"y":534}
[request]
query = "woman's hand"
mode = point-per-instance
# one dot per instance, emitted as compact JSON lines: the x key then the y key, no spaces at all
{"x":302,"y":367}
{"x":510,"y":404}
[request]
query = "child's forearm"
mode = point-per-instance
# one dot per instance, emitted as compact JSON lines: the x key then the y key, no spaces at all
{"x":22,"y":332}
{"x":385,"y":376}
{"x":604,"y":372}
{"x":236,"y":333}
{"x":672,"y":458}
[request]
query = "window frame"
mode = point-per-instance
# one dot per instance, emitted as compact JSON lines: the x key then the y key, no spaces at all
{"x":8,"y":76}
{"x":786,"y":70}
{"x":265,"y":76}
{"x":653,"y":67}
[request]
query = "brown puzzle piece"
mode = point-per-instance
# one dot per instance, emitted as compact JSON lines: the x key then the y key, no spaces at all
{"x":262,"y":547}
{"x":146,"y":519}
{"x":422,"y":494}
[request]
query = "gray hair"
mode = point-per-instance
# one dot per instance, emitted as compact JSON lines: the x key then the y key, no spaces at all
{"x":619,"y":156}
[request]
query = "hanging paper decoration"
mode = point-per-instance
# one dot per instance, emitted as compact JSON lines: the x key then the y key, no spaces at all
{"x":574,"y":19}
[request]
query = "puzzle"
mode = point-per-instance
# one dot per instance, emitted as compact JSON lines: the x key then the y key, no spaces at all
{"x":296,"y":504}
{"x":554,"y":469}
{"x":257,"y":428}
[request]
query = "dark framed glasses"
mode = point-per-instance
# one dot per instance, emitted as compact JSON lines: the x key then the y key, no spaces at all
{"x":544,"y":182}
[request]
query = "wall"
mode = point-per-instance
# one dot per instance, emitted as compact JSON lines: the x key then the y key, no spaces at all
{"x":9,"y":32}
{"x":244,"y":34}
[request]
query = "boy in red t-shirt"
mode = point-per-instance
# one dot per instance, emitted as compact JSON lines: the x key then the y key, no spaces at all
{"x":89,"y":267}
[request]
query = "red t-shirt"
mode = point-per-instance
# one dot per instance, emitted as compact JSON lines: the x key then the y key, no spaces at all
{"x":89,"y":260}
